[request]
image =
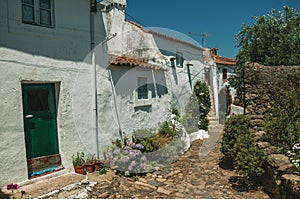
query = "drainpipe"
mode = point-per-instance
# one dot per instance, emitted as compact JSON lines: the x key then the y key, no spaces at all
{"x":94,"y":74}
{"x":93,"y":11}
{"x":94,"y":101}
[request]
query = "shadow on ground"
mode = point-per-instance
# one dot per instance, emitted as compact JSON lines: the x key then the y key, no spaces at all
{"x":241,"y":184}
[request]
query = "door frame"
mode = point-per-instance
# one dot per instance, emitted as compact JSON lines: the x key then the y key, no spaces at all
{"x":34,"y":163}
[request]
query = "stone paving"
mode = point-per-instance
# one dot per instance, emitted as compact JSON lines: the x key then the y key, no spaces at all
{"x":195,"y":175}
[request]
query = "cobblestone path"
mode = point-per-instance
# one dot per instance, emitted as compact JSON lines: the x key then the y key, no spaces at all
{"x":195,"y":175}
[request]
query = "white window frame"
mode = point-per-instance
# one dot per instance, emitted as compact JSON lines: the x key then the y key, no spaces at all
{"x":147,"y":95}
{"x":37,"y":12}
{"x":179,"y":59}
{"x":142,"y":89}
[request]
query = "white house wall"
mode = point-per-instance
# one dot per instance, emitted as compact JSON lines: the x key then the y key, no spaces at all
{"x":35,"y":54}
{"x":73,"y":136}
{"x":69,"y":39}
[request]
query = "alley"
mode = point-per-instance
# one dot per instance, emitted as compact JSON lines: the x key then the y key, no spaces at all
{"x":195,"y":175}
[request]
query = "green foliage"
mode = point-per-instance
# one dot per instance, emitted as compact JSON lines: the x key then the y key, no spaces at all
{"x":238,"y":145}
{"x":282,"y":122}
{"x":103,"y":170}
{"x":197,"y":108}
{"x":154,"y":141}
{"x":235,"y":126}
{"x":249,"y":159}
{"x":166,"y":130}
{"x":191,"y":117}
{"x":78,"y":159}
{"x":272,"y":40}
{"x":90,"y":159}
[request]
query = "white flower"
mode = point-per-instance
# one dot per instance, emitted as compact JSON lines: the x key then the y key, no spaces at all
{"x":296,"y":164}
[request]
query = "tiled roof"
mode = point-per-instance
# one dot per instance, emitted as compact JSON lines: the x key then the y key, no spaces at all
{"x":224,"y":60}
{"x":121,"y":60}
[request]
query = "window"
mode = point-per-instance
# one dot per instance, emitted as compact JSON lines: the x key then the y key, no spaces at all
{"x":179,"y":60}
{"x":38,"y":12}
{"x":224,"y":71}
{"x":142,"y":88}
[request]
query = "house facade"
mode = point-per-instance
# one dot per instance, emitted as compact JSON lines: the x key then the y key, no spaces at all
{"x":44,"y":51}
{"x":225,"y":68}
{"x":188,"y":61}
{"x":151,"y":72}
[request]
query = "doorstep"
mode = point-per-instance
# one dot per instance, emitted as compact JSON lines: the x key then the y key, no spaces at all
{"x":45,"y":184}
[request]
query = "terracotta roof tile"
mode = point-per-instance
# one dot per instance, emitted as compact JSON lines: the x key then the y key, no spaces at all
{"x":121,"y":60}
{"x":224,"y":60}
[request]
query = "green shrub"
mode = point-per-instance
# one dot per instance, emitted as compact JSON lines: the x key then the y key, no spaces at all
{"x":191,"y":117}
{"x":143,"y":136}
{"x":154,"y":141}
{"x":235,"y":126}
{"x":238,"y":144}
{"x":197,"y":109}
{"x":282,"y":122}
{"x":166,"y":130}
{"x":249,"y":159}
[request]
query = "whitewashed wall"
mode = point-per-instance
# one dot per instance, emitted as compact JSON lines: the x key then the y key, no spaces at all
{"x":68,"y":40}
{"x":59,"y":55}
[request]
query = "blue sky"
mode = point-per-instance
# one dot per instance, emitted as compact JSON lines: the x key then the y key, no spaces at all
{"x":220,"y":19}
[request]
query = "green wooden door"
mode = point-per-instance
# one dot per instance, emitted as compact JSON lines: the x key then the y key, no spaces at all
{"x":39,"y":108}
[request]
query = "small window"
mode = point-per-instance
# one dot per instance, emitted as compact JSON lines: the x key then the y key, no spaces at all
{"x":38,"y":100}
{"x":179,"y":60}
{"x":142,"y":88}
{"x":38,"y":12}
{"x":224,"y":71}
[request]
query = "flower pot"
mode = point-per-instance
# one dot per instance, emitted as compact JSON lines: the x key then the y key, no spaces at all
{"x":98,"y":166}
{"x":90,"y":168}
{"x":79,"y":169}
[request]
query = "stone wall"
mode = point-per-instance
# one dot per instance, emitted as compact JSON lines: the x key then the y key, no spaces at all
{"x":261,"y":83}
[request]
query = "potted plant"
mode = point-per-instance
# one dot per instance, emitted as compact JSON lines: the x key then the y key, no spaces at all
{"x":78,"y":163}
{"x":90,"y":163}
{"x":98,"y":164}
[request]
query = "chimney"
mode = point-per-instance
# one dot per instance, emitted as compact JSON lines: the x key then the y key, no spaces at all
{"x":214,"y":51}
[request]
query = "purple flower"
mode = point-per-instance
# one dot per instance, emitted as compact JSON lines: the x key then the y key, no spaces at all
{"x":139,"y":146}
{"x":133,"y":163}
{"x":132,"y":154}
{"x":130,"y":168}
{"x":12,"y":186}
{"x":142,"y":166}
{"x":143,"y":158}
{"x":116,"y":151}
{"x":125,"y":159}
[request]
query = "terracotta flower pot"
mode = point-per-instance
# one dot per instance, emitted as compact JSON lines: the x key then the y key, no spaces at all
{"x":90,"y":168}
{"x":98,"y":166}
{"x":79,"y":169}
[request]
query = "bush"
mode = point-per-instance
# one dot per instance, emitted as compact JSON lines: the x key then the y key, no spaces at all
{"x":238,"y":145}
{"x":154,"y":141}
{"x":192,"y":116}
{"x":197,"y":108}
{"x":249,"y":159}
{"x":282,"y":122}
{"x":235,"y":126}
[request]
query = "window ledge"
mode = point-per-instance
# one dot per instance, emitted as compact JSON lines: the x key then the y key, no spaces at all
{"x":142,"y":102}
